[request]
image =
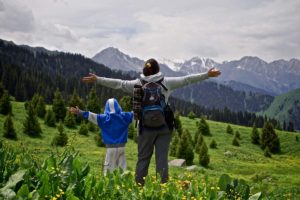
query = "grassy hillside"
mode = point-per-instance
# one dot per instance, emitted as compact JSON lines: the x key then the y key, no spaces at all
{"x":286,"y":107}
{"x":280,"y":174}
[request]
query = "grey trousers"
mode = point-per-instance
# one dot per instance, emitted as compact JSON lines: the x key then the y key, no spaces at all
{"x":115,"y":157}
{"x":149,"y":139}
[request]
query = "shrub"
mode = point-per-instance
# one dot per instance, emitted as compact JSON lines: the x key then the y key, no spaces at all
{"x":8,"y":128}
{"x":174,"y":144}
{"x":70,"y":120}
{"x":184,"y":149}
{"x":5,"y":105}
{"x":199,"y":144}
{"x":235,"y":142}
{"x":229,"y":130}
{"x":61,"y":139}
{"x":83,"y":129}
{"x":99,"y":140}
{"x":267,"y":153}
{"x":41,"y":107}
{"x":50,"y":118}
{"x":191,"y":115}
{"x":237,"y":135}
{"x":255,"y":135}
{"x":58,"y":106}
{"x":269,"y":138}
{"x":203,"y":127}
{"x":203,"y":155}
{"x":31,"y":125}
{"x":213,"y":144}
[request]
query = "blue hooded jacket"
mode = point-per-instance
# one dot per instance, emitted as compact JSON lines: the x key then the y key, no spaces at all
{"x":113,"y":123}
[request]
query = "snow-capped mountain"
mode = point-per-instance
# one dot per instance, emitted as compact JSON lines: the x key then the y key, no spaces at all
{"x":276,"y":77}
{"x":253,"y":73}
{"x":117,"y":60}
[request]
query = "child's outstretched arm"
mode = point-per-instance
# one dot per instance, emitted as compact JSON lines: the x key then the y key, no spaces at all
{"x":92,"y":117}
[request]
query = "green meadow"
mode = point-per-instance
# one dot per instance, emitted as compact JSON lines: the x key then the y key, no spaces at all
{"x":278,"y":174}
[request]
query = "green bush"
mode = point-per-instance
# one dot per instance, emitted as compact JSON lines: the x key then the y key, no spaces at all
{"x":31,"y":124}
{"x":229,"y":130}
{"x":235,"y":142}
{"x":8,"y":128}
{"x":185,"y":149}
{"x":203,"y":155}
{"x":213,"y":144}
{"x":83,"y":130}
{"x":50,"y":118}
{"x":62,"y":138}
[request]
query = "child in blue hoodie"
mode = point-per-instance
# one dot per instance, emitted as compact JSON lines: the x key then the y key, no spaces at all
{"x":114,"y":128}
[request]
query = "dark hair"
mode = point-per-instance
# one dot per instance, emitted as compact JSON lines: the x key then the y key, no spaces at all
{"x":151,"y":67}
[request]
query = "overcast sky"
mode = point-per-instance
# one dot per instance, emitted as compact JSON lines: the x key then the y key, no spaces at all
{"x":173,"y":29}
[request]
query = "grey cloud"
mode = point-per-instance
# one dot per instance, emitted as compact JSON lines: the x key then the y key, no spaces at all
{"x":14,"y":18}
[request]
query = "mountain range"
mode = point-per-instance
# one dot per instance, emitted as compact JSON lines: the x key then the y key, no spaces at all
{"x":248,"y":73}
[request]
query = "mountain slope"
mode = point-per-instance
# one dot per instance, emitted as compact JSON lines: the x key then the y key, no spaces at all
{"x":286,"y":107}
{"x":117,"y":60}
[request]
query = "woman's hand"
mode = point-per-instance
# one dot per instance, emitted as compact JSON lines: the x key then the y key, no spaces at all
{"x":92,"y":78}
{"x":213,"y":72}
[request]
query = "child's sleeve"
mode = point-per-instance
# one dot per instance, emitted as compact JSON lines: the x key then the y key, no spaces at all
{"x":92,"y":117}
{"x":128,"y":117}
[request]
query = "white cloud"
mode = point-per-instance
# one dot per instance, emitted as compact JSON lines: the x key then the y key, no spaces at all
{"x":222,"y":30}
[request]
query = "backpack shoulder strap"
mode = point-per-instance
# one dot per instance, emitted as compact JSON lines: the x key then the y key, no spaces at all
{"x":162,"y":85}
{"x":158,"y":82}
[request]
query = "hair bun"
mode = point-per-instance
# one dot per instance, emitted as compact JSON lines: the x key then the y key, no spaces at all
{"x":148,"y":65}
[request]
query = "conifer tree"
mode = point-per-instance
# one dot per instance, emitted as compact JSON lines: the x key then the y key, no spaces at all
{"x":237,"y":134}
{"x":99,"y":140}
{"x":255,"y":135}
{"x":229,"y":130}
{"x":5,"y":105}
{"x":126,"y":104}
{"x":75,"y":100}
{"x":174,"y":144}
{"x":92,"y":127}
{"x":177,"y":123}
{"x":131,"y":131}
{"x":62,"y":138}
{"x":203,"y":127}
{"x":41,"y":107}
{"x":8,"y":128}
{"x":34,"y":100}
{"x":189,"y":137}
{"x":50,"y":118}
{"x":269,"y":138}
{"x":31,"y":124}
{"x":184,"y":149}
{"x":58,"y":106}
{"x":83,"y":129}
{"x":196,"y":135}
{"x":70,"y":120}
{"x":199,"y":143}
{"x":203,"y":155}
{"x":191,"y":115}
{"x":94,"y":104}
{"x":235,"y":142}
{"x":267,"y":152}
{"x":213,"y":144}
